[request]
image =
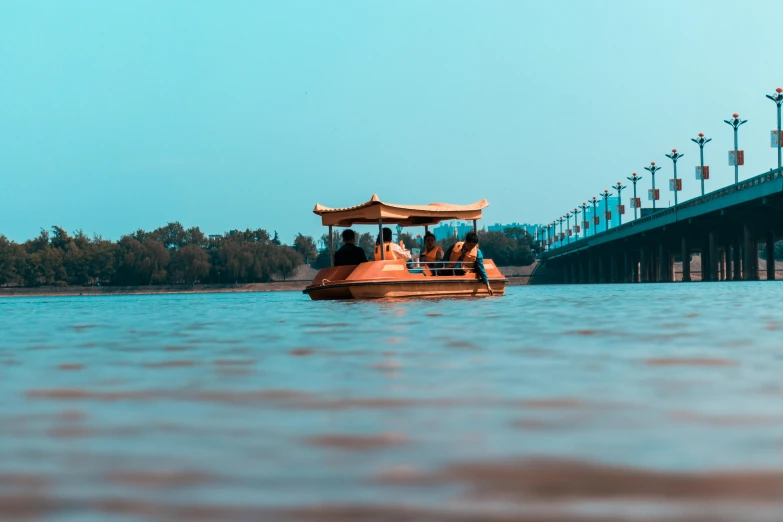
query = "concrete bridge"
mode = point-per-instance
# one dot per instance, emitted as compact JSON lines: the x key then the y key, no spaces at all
{"x":725,"y":227}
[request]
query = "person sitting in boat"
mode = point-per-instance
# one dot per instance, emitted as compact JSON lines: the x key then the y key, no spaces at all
{"x":349,"y":253}
{"x":431,"y":252}
{"x":464,"y":257}
{"x":391,"y":250}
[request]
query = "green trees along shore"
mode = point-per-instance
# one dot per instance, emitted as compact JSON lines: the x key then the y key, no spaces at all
{"x":173,"y":254}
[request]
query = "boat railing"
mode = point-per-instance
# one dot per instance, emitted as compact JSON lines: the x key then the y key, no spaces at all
{"x":441,"y":267}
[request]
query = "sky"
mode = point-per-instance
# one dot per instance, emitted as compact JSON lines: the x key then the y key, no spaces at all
{"x":243,"y":114}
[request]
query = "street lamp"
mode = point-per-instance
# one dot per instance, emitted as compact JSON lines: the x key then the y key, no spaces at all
{"x":702,"y":173}
{"x":738,"y":156}
{"x":676,"y":184}
{"x":776,"y":138}
{"x":586,"y":225}
{"x":568,"y":227}
{"x":560,"y":220}
{"x":620,"y":207}
{"x":636,"y":203}
{"x":549,"y":236}
{"x":607,"y":214}
{"x":654,"y":194}
{"x":596,"y":219}
{"x":576,"y":213}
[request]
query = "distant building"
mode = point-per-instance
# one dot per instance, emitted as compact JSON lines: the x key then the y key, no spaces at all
{"x":447,"y":229}
{"x":530,"y":229}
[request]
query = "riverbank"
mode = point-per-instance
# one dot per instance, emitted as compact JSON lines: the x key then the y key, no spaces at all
{"x":51,"y":291}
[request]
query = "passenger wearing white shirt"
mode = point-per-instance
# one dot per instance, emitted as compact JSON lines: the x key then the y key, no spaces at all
{"x":391,"y":250}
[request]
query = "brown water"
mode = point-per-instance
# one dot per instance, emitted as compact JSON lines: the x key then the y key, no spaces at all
{"x":637,"y":402}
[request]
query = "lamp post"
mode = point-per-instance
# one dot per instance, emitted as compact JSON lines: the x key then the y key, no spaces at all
{"x":675,"y":184}
{"x":560,"y":220}
{"x":739,"y":156}
{"x":620,"y":208}
{"x":607,"y":214}
{"x":568,"y":227}
{"x":576,"y":213}
{"x":654,"y":194}
{"x":637,"y":203}
{"x":596,"y":219}
{"x":583,"y":206}
{"x":778,"y":99}
{"x":701,"y":172}
{"x":549,"y":236}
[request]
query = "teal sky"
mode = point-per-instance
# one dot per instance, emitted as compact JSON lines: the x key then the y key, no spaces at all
{"x":129,"y":114}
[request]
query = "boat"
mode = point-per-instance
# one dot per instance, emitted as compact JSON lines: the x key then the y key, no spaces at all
{"x":397,"y":278}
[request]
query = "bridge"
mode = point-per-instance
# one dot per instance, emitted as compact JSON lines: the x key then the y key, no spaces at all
{"x":724,"y":227}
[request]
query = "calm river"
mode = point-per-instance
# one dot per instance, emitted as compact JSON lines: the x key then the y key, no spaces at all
{"x":632,"y":402}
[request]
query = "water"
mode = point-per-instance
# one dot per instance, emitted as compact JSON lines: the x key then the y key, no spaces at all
{"x":644,"y":401}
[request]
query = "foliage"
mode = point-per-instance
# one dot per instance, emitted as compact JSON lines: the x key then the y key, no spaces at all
{"x":305,"y":245}
{"x":170,"y":254}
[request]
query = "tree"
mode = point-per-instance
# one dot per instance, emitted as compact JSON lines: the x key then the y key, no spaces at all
{"x":288,"y":259}
{"x":141,"y":263}
{"x":189,"y":264}
{"x":11,"y":259}
{"x":305,"y":246}
{"x":367,"y":243}
{"x":171,"y":236}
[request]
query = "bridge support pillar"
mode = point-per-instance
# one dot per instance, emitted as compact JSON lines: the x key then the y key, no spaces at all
{"x":736,"y":263}
{"x":642,"y":266}
{"x":634,"y":268}
{"x":591,"y":269}
{"x":614,"y":272}
{"x":770,"y":248}
{"x":662,"y":263}
{"x":601,"y":276}
{"x":627,"y":276}
{"x":582,"y":271}
{"x":713,"y":257}
{"x":751,"y":258}
{"x":686,"y":260}
{"x":575,"y":271}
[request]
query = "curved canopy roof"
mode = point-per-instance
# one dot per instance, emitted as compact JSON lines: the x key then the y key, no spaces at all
{"x":406,"y":215}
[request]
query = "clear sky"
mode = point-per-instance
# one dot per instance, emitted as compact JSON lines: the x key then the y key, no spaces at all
{"x":129,"y":114}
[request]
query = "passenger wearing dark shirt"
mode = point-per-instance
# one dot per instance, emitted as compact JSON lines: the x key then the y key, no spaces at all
{"x":349,"y":253}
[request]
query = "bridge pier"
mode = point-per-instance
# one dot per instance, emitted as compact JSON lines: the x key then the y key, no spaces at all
{"x":582,"y":271}
{"x":686,"y":260}
{"x":635,"y":269}
{"x":713,"y":257}
{"x":662,"y":254}
{"x":614,"y":274}
{"x":770,"y":248}
{"x":749,"y":264}
{"x":736,"y":260}
{"x":626,"y":267}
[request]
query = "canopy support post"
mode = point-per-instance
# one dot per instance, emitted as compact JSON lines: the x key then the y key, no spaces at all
{"x":380,"y":237}
{"x":475,"y":227}
{"x":331,"y":247}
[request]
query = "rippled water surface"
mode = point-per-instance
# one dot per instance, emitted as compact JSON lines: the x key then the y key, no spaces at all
{"x":648,"y":402}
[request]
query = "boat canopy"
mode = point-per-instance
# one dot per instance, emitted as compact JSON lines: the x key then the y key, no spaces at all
{"x":406,"y":215}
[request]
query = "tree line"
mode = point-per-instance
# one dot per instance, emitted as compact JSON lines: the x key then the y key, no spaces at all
{"x":167,"y":255}
{"x":173,"y":254}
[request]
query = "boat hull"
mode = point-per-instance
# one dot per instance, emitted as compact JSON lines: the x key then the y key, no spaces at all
{"x":391,"y":279}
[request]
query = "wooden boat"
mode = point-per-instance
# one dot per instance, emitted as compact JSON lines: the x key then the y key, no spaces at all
{"x":394,"y":278}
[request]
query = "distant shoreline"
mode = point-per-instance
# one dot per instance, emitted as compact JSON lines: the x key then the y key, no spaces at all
{"x":76,"y":291}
